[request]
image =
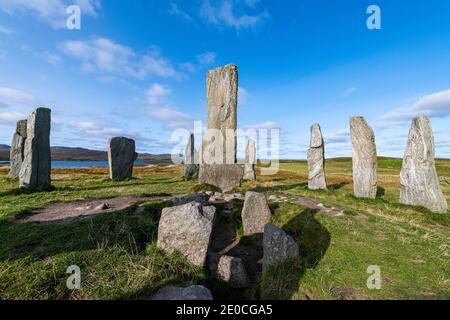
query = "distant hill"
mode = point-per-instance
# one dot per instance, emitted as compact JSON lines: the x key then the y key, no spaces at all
{"x":81,"y":154}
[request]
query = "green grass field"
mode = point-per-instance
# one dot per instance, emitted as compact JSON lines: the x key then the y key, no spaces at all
{"x":119,"y":260}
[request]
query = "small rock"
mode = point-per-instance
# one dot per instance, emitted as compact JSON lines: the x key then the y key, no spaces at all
{"x":196,"y":197}
{"x":229,"y":269}
{"x":255,"y":214}
{"x":139,"y":210}
{"x":277,"y":246}
{"x":103,"y":206}
{"x":176,"y":293}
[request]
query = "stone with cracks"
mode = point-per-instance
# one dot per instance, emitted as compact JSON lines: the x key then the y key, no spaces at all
{"x":36,"y":166}
{"x":18,"y":148}
{"x":277,"y":246}
{"x":190,"y":166}
{"x":176,"y":293}
{"x":255,"y":214}
{"x":224,"y":176}
{"x":316,"y":160}
{"x":365,"y":176}
{"x":229,"y":269}
{"x":121,"y":157}
{"x":250,"y":160}
{"x":187,"y":229}
{"x":418,"y":178}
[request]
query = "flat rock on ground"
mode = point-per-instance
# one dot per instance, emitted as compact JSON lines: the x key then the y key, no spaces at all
{"x":176,"y":293}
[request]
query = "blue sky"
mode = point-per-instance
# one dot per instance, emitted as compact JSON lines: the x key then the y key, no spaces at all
{"x":137,"y":68}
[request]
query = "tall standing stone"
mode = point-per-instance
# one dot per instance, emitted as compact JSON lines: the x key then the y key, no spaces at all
{"x":255,"y":213}
{"x":190,"y":166}
{"x":250,"y":160}
{"x":18,"y":148}
{"x":218,"y":152}
{"x":121,"y":157}
{"x":36,"y":166}
{"x":418,"y":178}
{"x":316,"y":160}
{"x":365,"y":177}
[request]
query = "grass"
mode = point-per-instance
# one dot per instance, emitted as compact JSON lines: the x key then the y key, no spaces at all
{"x":119,"y":260}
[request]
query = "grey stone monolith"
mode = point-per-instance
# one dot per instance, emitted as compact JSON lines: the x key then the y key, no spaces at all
{"x":250,"y":160}
{"x":121,"y":157}
{"x":316,"y":160}
{"x":190,"y":165}
{"x":17,"y":151}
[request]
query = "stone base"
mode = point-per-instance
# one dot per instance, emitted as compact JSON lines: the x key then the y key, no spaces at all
{"x":224,"y":176}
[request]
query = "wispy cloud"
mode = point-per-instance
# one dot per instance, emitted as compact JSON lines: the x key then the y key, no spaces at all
{"x":433,"y":105}
{"x":16,"y":96}
{"x":223,"y":14}
{"x":6,"y":30}
{"x":50,"y":11}
{"x":244,"y":96}
{"x":175,"y":10}
{"x":350,"y":91}
{"x":104,"y":56}
{"x":339,"y":136}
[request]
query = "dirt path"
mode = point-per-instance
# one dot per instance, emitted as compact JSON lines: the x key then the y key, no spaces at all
{"x":316,"y":205}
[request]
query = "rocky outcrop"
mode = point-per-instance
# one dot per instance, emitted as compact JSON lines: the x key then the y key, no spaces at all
{"x":255,"y":214}
{"x":187,"y":229}
{"x":418,"y":178}
{"x":17,"y":151}
{"x":121,"y":157}
{"x":278,"y":246}
{"x":316,"y":160}
{"x":365,"y":176}
{"x":35,"y":170}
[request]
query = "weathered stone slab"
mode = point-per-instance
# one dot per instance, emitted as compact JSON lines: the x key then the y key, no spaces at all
{"x":187,"y":229}
{"x":418,"y":178}
{"x":255,"y":213}
{"x":17,"y":152}
{"x":278,"y":246}
{"x":250,"y":160}
{"x":365,"y":176}
{"x":224,"y":176}
{"x":316,"y":160}
{"x":202,"y":198}
{"x":190,"y":165}
{"x":229,"y":269}
{"x":35,"y":170}
{"x":176,"y":293}
{"x":121,"y":157}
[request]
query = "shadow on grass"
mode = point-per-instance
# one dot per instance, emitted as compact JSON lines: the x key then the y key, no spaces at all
{"x":39,"y":241}
{"x":262,"y":189}
{"x":21,"y":191}
{"x":282,"y":281}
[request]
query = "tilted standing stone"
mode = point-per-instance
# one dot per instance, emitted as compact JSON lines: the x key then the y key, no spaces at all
{"x":250,"y":160}
{"x":121,"y":157}
{"x":316,"y":160}
{"x":218,"y":152}
{"x":187,"y":229}
{"x":418,"y":178}
{"x":255,"y":213}
{"x":18,"y":148}
{"x":36,"y":166}
{"x":190,"y":167}
{"x":365,"y":176}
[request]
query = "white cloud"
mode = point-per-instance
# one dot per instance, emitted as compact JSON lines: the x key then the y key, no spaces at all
{"x":207,"y":58}
{"x":10,"y":116}
{"x":222,"y":13}
{"x":6,"y":30}
{"x":340,"y":136}
{"x":50,"y":11}
{"x":156,"y":92}
{"x":243,"y":96}
{"x":433,"y":105}
{"x":102,"y":55}
{"x":16,"y":96}
{"x":52,"y":58}
{"x":176,"y":11}
{"x":350,"y":91}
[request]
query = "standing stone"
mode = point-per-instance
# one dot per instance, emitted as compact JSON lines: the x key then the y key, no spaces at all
{"x":121,"y":157}
{"x":190,"y":166}
{"x":316,"y":160}
{"x":277,"y":246}
{"x":36,"y":166}
{"x":18,"y":148}
{"x":229,"y":269}
{"x":219,"y":148}
{"x":418,"y":178}
{"x":250,"y":160}
{"x":365,"y":177}
{"x":255,"y":214}
{"x":187,"y":229}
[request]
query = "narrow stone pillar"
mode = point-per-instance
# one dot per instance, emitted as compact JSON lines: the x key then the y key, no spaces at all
{"x":36,"y":166}
{"x":190,"y":165}
{"x":316,"y":160}
{"x":250,"y":160}
{"x":418,"y":178}
{"x":17,"y":151}
{"x":121,"y":157}
{"x":365,"y":165}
